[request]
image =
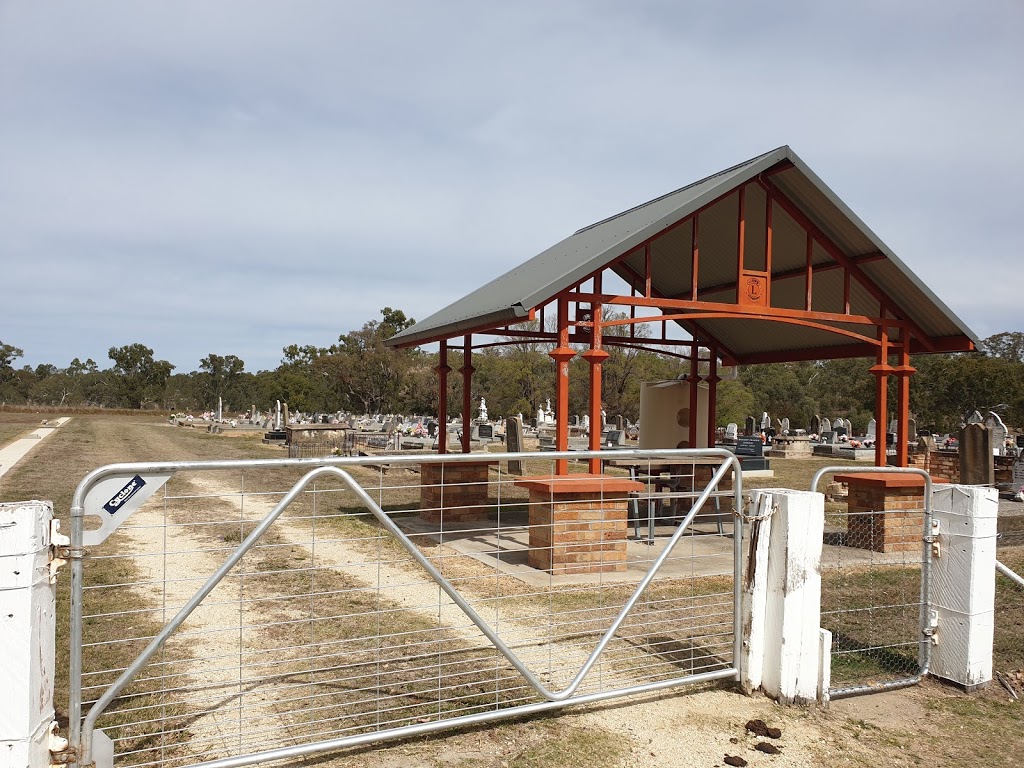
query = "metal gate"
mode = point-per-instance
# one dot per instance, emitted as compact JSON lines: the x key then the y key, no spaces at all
{"x":874,"y":590}
{"x":229,"y":613}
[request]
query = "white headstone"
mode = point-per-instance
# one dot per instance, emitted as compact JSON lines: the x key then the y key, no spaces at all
{"x":892,"y":425}
{"x":766,"y":421}
{"x":999,"y":432}
{"x":826,"y":426}
{"x":483,"y":409}
{"x":220,"y":409}
{"x":872,"y":429}
{"x":731,"y":431}
{"x":785,"y":425}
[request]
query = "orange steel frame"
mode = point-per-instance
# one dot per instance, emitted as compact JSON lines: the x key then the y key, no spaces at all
{"x":579,"y":321}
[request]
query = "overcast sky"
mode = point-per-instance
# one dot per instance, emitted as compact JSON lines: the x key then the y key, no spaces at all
{"x":233,"y":177}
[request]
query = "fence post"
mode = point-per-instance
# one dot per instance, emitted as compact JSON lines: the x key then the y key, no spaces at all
{"x":963,"y":583}
{"x":27,"y":607}
{"x":784,"y":576}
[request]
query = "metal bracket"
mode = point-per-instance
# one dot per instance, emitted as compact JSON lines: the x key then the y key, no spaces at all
{"x":933,"y":539}
{"x":932,"y":630}
{"x":60,"y":550}
{"x":61,"y":752}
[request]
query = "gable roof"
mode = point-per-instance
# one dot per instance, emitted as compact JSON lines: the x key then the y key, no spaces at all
{"x":509,"y":298}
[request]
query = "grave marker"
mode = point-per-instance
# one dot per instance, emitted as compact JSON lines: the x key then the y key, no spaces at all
{"x":514,"y":439}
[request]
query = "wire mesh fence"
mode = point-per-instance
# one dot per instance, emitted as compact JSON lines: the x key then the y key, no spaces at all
{"x":871,"y":595}
{"x":1008,"y":648}
{"x":328,"y":626}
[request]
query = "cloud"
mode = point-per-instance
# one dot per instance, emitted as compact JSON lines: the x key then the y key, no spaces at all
{"x":233,"y":177}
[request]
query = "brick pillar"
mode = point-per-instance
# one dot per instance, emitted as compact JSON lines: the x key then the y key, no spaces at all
{"x":576,"y":533}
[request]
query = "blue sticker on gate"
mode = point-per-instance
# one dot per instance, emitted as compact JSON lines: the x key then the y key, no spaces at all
{"x":130,"y":489}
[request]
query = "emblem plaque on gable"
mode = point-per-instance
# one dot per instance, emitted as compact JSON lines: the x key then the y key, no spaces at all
{"x":754,"y":290}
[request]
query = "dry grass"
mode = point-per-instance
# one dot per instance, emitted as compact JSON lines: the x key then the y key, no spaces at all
{"x":282,"y":574}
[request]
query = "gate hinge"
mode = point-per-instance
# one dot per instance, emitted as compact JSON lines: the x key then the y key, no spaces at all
{"x":61,"y":752}
{"x":933,"y":539}
{"x":932,"y":630}
{"x":60,"y":550}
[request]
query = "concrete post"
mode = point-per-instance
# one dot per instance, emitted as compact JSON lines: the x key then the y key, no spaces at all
{"x":963,"y":583}
{"x":785,"y":575}
{"x":27,"y":600}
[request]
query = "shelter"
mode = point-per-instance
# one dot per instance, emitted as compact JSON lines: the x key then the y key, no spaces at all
{"x":759,"y":263}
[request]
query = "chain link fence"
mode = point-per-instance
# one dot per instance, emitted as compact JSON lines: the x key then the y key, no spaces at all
{"x":871,"y":589}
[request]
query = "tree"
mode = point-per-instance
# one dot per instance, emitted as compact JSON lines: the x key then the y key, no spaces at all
{"x":220,"y":375}
{"x":1008,"y":345}
{"x":366,"y":372}
{"x":138,"y":378}
{"x":8,"y":354}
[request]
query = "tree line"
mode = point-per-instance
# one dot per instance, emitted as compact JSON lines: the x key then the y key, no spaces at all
{"x":361,"y":374}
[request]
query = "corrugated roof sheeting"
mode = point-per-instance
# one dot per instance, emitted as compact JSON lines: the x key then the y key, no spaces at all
{"x":536,"y":282}
{"x":926,"y":310}
{"x":763,"y":336}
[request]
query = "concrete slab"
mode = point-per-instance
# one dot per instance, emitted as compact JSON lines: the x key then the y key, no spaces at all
{"x":15,"y":451}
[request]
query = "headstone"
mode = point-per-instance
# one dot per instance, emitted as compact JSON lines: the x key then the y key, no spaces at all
{"x":220,"y":409}
{"x":534,"y":423}
{"x":485,"y":432}
{"x":814,"y":427}
{"x":514,"y":442}
{"x":750,"y":426}
{"x":778,"y":425}
{"x":540,"y":416}
{"x":586,"y":423}
{"x":766,"y":421}
{"x":1018,"y":475}
{"x":839,"y":430}
{"x":614,"y":437}
{"x":284,"y":410}
{"x":974,"y":418}
{"x":999,"y":432}
{"x":482,"y":415}
{"x":749,"y":446}
{"x":576,"y":420}
{"x":976,"y":463}
{"x":828,"y":438}
{"x":872,"y":430}
{"x":892,"y":426}
{"x":826,"y":426}
{"x":849,"y":426}
{"x":431,"y":428}
{"x":277,"y":417}
{"x":785,"y":426}
{"x":620,"y":423}
{"x":912,"y":429}
{"x":925,"y":443}
{"x":731,"y":431}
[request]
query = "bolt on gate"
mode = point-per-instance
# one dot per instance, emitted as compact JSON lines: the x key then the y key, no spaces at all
{"x":229,"y":613}
{"x":876,"y":566}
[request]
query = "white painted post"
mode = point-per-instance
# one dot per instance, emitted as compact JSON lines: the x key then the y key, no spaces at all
{"x":755,"y":590}
{"x":792,"y":642}
{"x":963,"y":583}
{"x":27,"y":604}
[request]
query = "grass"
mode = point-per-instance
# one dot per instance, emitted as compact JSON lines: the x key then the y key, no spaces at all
{"x":308,"y":611}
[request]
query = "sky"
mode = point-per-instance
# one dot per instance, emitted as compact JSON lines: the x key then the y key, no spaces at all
{"x":232,"y":177}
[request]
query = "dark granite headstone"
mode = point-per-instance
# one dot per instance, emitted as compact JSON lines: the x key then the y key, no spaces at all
{"x":485,"y":431}
{"x":749,"y":446}
{"x":750,"y":426}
